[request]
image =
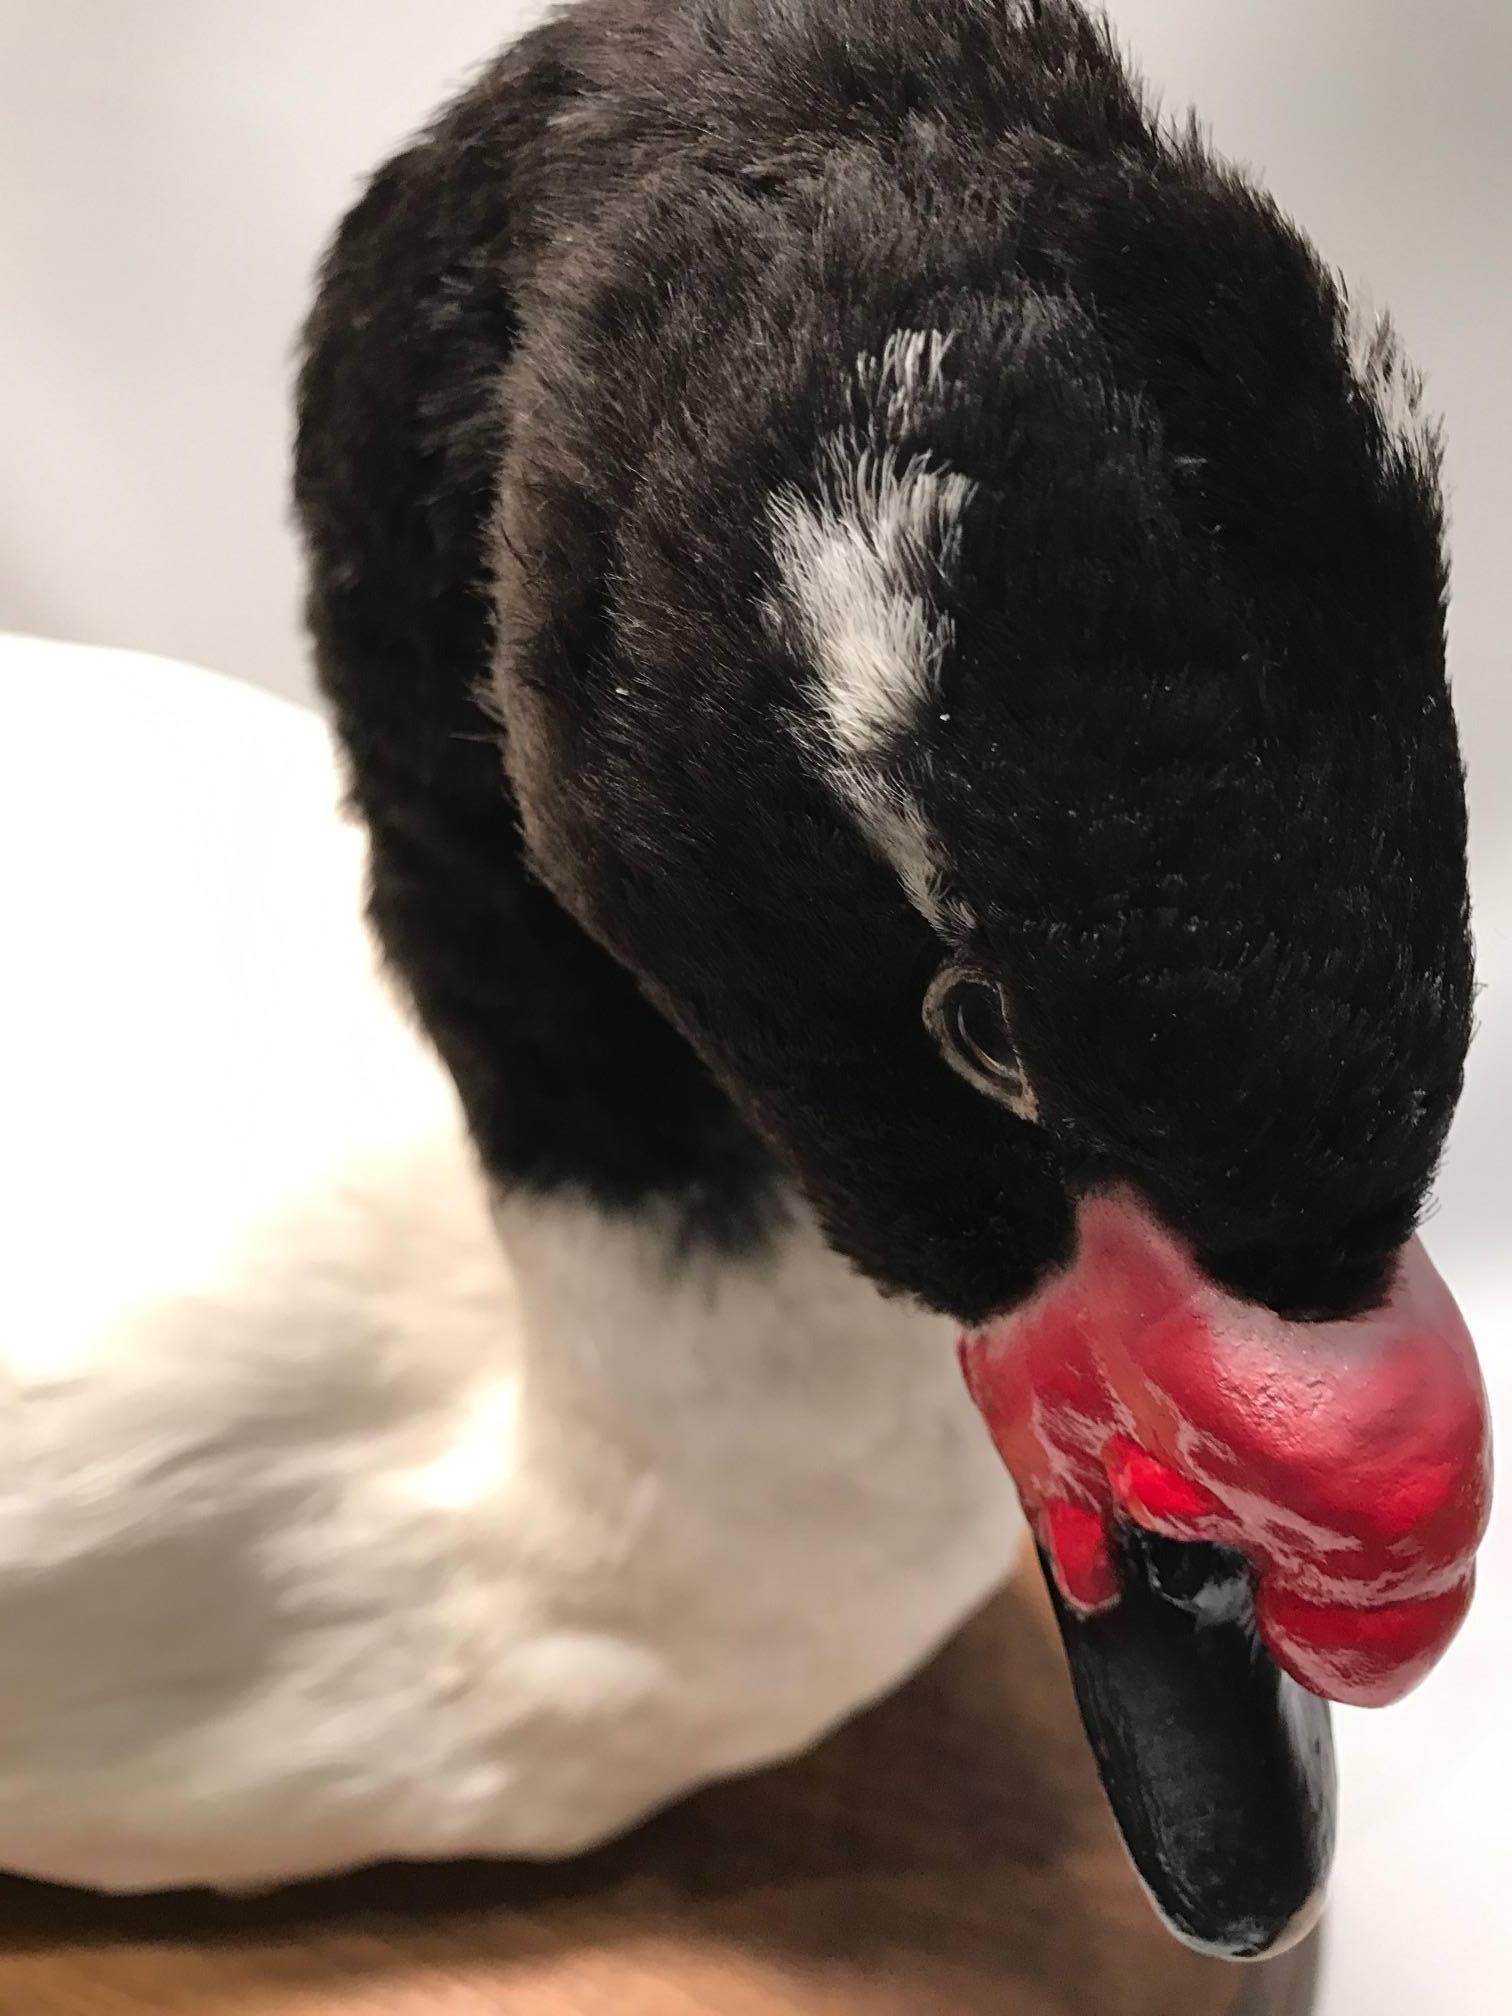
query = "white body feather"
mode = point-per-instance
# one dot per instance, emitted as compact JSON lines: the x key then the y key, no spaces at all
{"x":342,"y":1517}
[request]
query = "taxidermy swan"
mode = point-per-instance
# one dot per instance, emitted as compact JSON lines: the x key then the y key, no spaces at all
{"x":887,"y":637}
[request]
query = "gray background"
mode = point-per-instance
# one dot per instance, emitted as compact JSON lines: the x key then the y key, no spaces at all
{"x":168,"y":169}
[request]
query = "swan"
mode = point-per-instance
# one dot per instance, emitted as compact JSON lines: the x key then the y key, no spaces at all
{"x":884,"y":627}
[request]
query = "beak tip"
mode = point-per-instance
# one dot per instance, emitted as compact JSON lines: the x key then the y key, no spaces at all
{"x":1218,"y":1767}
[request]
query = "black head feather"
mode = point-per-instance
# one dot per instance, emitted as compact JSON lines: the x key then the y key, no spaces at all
{"x":1186,"y":778}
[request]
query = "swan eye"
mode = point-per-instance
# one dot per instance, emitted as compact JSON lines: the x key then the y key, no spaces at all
{"x":965,"y":1013}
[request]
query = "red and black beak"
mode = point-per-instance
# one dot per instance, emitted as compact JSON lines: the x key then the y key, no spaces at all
{"x":1239,"y":1518}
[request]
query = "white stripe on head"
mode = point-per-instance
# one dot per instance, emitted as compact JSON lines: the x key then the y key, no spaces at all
{"x":856,"y":567}
{"x":853,"y":565}
{"x":907,"y":382}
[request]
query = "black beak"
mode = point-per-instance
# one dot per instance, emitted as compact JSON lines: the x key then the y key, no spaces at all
{"x":1218,"y":1767}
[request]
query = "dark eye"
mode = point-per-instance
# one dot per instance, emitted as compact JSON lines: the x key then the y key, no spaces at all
{"x":965,"y":1013}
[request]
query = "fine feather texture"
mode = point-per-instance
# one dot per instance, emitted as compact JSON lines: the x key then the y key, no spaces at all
{"x":851,"y":567}
{"x":1188,"y":781}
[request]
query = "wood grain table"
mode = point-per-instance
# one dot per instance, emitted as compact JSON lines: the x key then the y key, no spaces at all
{"x":947,"y":1852}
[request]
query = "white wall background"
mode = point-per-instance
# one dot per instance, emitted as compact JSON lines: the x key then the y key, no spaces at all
{"x":168,"y":169}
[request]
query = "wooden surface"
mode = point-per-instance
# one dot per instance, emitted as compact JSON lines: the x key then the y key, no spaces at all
{"x":947,"y":1852}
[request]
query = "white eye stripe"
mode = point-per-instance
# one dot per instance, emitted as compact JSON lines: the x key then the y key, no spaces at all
{"x":965,"y":1013}
{"x":861,"y":563}
{"x":876,"y":645}
{"x":851,"y":566}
